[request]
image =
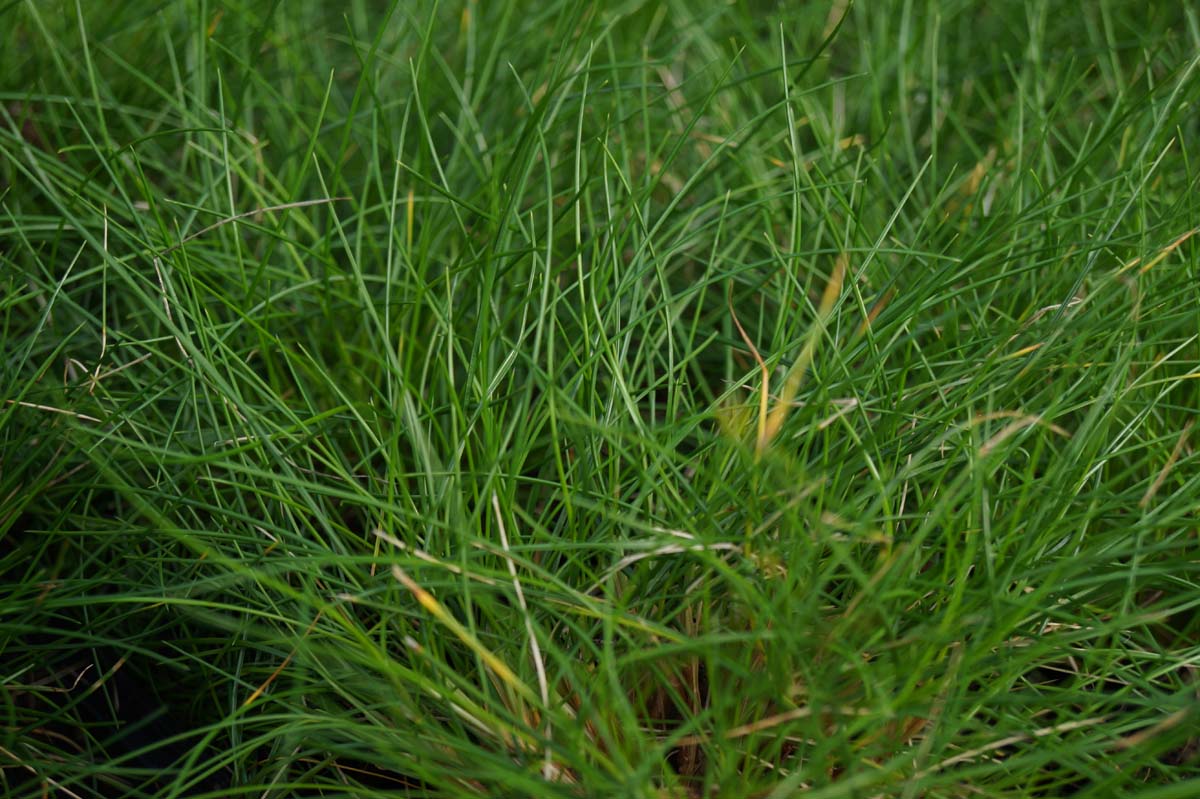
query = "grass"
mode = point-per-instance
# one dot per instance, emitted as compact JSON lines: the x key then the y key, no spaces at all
{"x":640,"y":399}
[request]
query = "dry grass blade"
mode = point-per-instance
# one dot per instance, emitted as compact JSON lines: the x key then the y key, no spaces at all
{"x":765,"y":388}
{"x":435,"y":608}
{"x":795,"y":376}
{"x":1166,"y":469}
{"x":548,"y":768}
{"x":246,"y":214}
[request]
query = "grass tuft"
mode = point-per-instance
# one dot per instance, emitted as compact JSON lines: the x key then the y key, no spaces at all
{"x":471,"y":399}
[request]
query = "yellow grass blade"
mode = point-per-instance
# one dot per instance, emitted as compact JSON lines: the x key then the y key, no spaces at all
{"x":795,"y":376}
{"x":435,"y":609}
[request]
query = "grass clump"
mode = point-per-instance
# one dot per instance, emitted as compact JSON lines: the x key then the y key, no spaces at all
{"x":492,"y":399}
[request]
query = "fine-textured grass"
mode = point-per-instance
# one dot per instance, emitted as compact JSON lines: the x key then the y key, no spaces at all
{"x":643,"y":399}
